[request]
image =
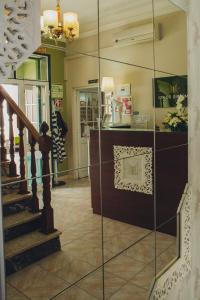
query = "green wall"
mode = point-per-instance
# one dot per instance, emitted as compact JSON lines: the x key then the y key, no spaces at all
{"x":57,"y":76}
{"x":28,"y":70}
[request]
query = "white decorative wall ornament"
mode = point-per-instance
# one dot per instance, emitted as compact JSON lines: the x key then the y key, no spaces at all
{"x":178,"y":271}
{"x":133,"y":169}
{"x":19,"y":33}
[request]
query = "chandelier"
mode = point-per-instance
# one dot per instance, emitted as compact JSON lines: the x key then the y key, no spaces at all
{"x":53,"y":28}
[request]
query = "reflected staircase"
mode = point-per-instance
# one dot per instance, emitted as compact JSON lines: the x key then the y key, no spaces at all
{"x":29,"y":231}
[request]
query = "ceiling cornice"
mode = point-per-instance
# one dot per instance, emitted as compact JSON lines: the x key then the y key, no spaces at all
{"x":127,"y":21}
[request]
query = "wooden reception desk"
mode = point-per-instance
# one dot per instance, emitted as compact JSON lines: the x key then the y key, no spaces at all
{"x":168,"y":179}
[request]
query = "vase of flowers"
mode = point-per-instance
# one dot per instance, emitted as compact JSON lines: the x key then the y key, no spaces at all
{"x":178,"y":120}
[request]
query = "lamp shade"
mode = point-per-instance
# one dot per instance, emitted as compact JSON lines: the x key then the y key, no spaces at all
{"x":42,"y":23}
{"x":50,"y":18}
{"x":107,"y":85}
{"x":70,"y":20}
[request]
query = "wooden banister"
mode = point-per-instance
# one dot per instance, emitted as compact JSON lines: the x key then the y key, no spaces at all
{"x":45,"y":144}
{"x":21,"y":116}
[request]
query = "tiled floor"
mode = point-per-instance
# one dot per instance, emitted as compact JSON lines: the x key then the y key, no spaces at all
{"x":76,"y":272}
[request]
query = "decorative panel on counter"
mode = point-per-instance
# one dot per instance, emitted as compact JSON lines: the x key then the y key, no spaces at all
{"x":130,"y":198}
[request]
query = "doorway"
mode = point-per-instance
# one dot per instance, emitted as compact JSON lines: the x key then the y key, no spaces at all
{"x":88,"y":113}
{"x":33,"y":99}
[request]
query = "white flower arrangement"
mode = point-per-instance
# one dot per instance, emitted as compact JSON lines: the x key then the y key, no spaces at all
{"x":178,"y":120}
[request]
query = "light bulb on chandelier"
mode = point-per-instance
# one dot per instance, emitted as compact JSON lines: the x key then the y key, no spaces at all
{"x":53,"y":28}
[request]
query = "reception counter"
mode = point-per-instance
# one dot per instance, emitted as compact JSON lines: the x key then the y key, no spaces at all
{"x":131,"y":184}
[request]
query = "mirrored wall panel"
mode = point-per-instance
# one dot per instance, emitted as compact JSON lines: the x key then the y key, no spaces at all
{"x":94,"y":151}
{"x":171,"y":125}
{"x":127,"y":31}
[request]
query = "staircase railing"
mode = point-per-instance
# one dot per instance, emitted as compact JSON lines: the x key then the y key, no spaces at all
{"x":34,"y":138}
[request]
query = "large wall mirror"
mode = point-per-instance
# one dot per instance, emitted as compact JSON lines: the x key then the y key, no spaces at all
{"x":115,"y":197}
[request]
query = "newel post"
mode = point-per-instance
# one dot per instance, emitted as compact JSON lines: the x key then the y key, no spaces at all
{"x":35,"y":200}
{"x":47,"y":211}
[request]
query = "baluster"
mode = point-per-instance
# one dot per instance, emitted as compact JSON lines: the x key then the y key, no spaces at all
{"x":3,"y":149}
{"x":35,"y":200}
{"x":12,"y":165}
{"x":23,"y":183}
{"x":47,"y":211}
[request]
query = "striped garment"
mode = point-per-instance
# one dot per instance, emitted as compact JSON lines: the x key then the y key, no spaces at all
{"x":58,"y":140}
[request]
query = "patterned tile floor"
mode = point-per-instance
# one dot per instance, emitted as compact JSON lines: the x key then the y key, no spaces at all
{"x":76,"y":272}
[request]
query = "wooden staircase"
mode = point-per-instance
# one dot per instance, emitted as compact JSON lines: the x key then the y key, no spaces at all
{"x":29,"y":231}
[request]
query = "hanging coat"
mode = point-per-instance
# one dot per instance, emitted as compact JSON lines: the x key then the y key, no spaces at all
{"x":59,"y":131}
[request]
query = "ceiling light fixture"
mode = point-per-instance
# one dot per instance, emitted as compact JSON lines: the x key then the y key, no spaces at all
{"x":53,"y":28}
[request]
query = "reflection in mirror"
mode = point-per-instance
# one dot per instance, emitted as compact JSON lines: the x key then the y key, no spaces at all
{"x":34,"y":68}
{"x":126,"y":31}
{"x":171,"y":49}
{"x":83,"y":110}
{"x":129,"y":99}
{"x":122,"y":186}
{"x":171,"y":124}
{"x":80,"y":242}
{"x":107,"y":225}
{"x":77,"y":232}
{"x":87,"y":12}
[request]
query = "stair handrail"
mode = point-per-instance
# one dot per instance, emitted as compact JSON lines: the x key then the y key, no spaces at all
{"x":22,"y":117}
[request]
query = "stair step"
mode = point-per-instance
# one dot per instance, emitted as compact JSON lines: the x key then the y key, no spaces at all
{"x":19,"y":218}
{"x":15,"y":197}
{"x":9,"y":179}
{"x":27,"y":242}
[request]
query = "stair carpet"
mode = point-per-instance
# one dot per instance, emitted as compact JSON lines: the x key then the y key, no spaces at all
{"x":24,"y":241}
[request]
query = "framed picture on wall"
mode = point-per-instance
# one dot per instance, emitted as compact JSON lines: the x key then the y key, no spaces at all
{"x":168,"y":89}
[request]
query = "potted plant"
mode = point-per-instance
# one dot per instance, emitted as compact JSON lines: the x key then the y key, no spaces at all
{"x":178,"y":120}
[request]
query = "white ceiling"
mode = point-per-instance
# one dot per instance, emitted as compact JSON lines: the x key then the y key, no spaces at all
{"x":113,"y":13}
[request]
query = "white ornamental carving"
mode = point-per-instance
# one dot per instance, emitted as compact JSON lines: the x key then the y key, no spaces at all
{"x":19,"y":33}
{"x":133,"y":169}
